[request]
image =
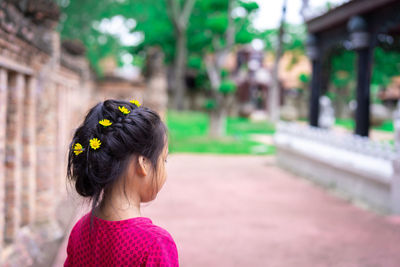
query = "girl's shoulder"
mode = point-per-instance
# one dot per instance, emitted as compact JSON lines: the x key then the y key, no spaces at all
{"x":139,"y":234}
{"x":139,"y":225}
{"x":78,"y":225}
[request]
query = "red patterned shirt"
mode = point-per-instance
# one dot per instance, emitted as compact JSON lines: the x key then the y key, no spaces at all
{"x":132,"y":242}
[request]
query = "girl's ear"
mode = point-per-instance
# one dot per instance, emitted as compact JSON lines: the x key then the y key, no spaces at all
{"x":141,"y":168}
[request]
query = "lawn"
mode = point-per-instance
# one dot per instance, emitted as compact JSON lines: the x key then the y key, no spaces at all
{"x":188,"y":132}
{"x":387,"y":126}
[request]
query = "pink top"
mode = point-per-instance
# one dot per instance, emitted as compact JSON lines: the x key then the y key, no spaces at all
{"x":132,"y":242}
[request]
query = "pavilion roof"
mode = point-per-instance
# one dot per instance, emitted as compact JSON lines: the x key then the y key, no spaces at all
{"x":341,"y":14}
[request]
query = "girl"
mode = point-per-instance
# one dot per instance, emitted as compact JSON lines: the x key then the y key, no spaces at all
{"x":116,"y":159}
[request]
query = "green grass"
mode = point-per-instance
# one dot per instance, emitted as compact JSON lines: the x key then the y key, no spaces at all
{"x":188,"y":132}
{"x":245,"y":126}
{"x":346,"y":123}
{"x":387,"y":126}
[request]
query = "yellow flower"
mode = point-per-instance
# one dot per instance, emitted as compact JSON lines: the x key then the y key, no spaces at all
{"x":124,"y":110}
{"x":78,"y":149}
{"x":136,"y":102}
{"x":94,"y":143}
{"x":105,"y":122}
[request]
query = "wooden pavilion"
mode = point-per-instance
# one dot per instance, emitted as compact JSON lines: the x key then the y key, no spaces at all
{"x":359,"y":25}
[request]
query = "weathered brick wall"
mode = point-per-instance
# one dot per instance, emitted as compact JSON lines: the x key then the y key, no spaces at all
{"x":3,"y":108}
{"x":44,"y":93}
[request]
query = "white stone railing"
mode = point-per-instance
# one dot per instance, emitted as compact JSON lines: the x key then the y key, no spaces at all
{"x":365,"y":170}
{"x":350,"y":142}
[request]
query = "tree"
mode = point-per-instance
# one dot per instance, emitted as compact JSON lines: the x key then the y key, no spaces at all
{"x":274,"y":97}
{"x":166,"y":23}
{"x":76,"y":22}
{"x":81,"y":20}
{"x":180,"y":17}
{"x":212,"y":40}
{"x":342,"y":79}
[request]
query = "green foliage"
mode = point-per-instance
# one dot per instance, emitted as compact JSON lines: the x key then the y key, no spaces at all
{"x":249,"y":6}
{"x":224,"y":73}
{"x":227,"y":87}
{"x":374,"y":92}
{"x":293,"y":39}
{"x":77,"y":23}
{"x":342,"y":77}
{"x":244,"y":36}
{"x":208,"y":35}
{"x":213,"y":4}
{"x":195,"y":62}
{"x":332,"y":95}
{"x":202,"y":81}
{"x":343,"y":68}
{"x":217,"y":23}
{"x":386,"y":65}
{"x":304,"y":78}
{"x":81,"y":20}
{"x":210,"y":104}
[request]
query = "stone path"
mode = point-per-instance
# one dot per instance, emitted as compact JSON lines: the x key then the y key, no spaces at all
{"x":245,"y":211}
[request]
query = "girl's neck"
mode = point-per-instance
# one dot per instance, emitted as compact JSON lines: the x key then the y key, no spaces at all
{"x":117,"y":207}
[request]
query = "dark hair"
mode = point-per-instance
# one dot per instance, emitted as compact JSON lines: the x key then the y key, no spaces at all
{"x":140,"y":132}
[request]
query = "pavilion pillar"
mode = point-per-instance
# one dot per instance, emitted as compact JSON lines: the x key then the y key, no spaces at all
{"x":363,"y":92}
{"x":314,"y":55}
{"x":360,"y":42}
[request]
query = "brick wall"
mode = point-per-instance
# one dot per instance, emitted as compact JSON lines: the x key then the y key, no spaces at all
{"x":41,"y":101}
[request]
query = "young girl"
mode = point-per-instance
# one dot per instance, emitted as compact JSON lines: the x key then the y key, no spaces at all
{"x":116,"y":159}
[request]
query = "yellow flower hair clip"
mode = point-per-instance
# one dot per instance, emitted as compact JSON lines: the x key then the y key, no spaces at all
{"x":124,"y":110}
{"x":78,"y":149}
{"x":105,"y":122}
{"x":94,"y":143}
{"x":136,"y":102}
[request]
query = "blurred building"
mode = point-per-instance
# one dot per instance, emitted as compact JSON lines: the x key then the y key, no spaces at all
{"x":253,"y":79}
{"x":44,"y":90}
{"x":253,"y":76}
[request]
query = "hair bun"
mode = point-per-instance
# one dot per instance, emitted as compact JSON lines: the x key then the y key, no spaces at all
{"x":140,"y":133}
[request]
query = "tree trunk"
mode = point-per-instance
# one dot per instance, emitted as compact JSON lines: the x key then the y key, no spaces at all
{"x":274,"y":98}
{"x":180,"y":17}
{"x":179,"y":72}
{"x":217,"y":124}
{"x":218,"y":118}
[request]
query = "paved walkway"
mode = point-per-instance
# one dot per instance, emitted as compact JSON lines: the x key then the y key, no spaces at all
{"x":245,"y":211}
